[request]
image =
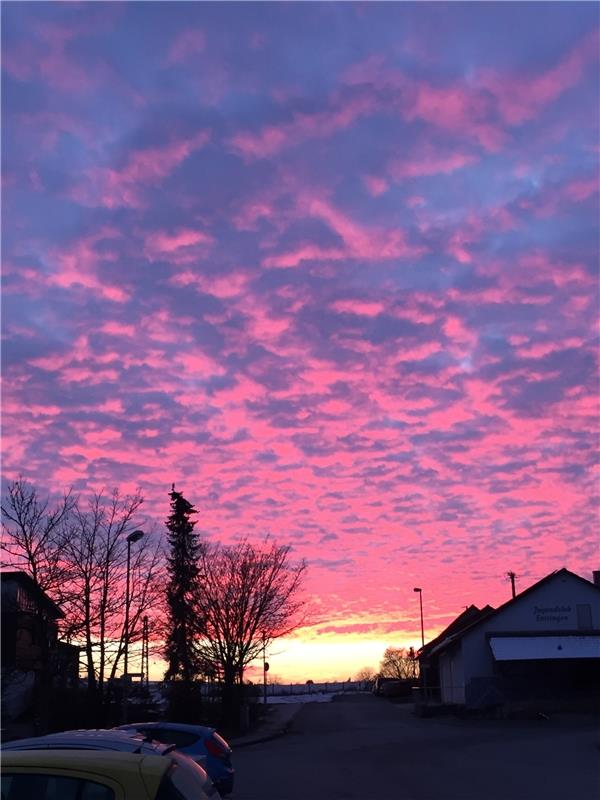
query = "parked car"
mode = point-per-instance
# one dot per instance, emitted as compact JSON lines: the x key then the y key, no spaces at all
{"x":397,"y":688}
{"x":123,"y":741}
{"x":99,"y":775}
{"x":93,"y":739}
{"x":197,"y":741}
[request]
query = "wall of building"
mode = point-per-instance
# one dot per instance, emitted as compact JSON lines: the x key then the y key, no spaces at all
{"x":452,"y":676}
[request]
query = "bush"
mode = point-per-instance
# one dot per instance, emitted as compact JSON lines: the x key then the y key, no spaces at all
{"x":70,"y":709}
{"x":184,"y":702}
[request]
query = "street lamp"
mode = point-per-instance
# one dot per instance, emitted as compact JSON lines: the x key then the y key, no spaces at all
{"x":133,"y":537}
{"x":420,"y":591}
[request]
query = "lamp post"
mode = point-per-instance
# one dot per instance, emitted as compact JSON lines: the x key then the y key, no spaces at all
{"x":422,"y":666}
{"x":133,"y":537}
{"x":420,"y":591}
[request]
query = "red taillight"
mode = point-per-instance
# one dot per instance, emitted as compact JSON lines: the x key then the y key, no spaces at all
{"x":215,"y":748}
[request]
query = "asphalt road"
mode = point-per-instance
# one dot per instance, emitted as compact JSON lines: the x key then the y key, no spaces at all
{"x":361,"y":747}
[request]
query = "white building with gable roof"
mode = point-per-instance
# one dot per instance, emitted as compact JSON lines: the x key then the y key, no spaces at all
{"x":541,"y":647}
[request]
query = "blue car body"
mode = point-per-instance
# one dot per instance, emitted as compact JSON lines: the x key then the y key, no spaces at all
{"x":201,"y":743}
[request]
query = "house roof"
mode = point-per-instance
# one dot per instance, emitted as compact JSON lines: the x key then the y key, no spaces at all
{"x":464,"y":620}
{"x":27,"y":582}
{"x":455,"y":631}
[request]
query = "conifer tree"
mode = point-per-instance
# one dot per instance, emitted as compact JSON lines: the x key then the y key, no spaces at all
{"x":183,"y":625}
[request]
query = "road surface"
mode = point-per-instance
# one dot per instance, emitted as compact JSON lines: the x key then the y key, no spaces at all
{"x":361,"y":747}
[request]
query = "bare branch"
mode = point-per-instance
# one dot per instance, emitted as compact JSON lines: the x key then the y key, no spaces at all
{"x":247,"y":596}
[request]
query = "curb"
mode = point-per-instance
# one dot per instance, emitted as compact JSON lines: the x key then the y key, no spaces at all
{"x":266,"y":738}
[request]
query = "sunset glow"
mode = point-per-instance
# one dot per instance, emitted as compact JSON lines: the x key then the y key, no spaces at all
{"x":331,"y":268}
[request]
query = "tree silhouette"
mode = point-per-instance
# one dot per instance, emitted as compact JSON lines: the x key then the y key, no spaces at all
{"x":183,"y":623}
{"x":75,"y":551}
{"x":398,"y":663}
{"x":248,"y":596}
{"x":365,"y":674}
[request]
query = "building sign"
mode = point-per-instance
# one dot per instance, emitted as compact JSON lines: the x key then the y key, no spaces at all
{"x":552,"y":614}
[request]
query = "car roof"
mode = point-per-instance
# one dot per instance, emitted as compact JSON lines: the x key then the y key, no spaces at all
{"x":201,"y":730}
{"x":99,"y":762}
{"x":119,"y":740}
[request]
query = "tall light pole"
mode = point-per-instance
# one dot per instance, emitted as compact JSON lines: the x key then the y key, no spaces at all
{"x":420,"y":591}
{"x":133,"y":537}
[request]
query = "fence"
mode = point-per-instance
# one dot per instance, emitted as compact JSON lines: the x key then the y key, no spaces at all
{"x":328,"y":687}
{"x":212,"y":691}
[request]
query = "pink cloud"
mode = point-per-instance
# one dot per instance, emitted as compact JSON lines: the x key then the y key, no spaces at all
{"x":456,"y":107}
{"x":111,"y":188}
{"x":427,"y":162}
{"x":246,"y":219}
{"x":258,"y":40}
{"x":580,"y":190}
{"x":198,"y":363}
{"x":361,"y":307}
{"x":274,"y":138}
{"x":155,"y":163}
{"x":263,"y":326}
{"x":360,"y":241}
{"x":184,"y":246}
{"x":522,"y":97}
{"x":47,"y":52}
{"x":375,"y":186}
{"x":88,"y":375}
{"x":118,"y":329}
{"x":101,"y":436}
{"x":114,"y":406}
{"x":457,"y":247}
{"x":188,"y":43}
{"x":45,"y":57}
{"x":225,"y":287}
{"x":78,"y":266}
{"x":292,"y":258}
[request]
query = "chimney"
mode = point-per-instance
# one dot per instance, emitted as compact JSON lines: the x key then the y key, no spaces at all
{"x":596,"y":577}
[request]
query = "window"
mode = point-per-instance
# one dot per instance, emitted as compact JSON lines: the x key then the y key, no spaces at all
{"x":584,"y":616}
{"x":25,"y":601}
{"x":26,"y":786}
{"x":178,"y":738}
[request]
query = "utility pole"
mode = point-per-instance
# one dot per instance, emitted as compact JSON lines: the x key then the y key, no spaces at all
{"x":511,"y":576}
{"x":133,"y":537}
{"x":145,"y":652}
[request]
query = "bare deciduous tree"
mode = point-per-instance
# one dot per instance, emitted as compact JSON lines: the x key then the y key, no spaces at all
{"x":365,"y":674}
{"x":247,"y":597}
{"x":76,"y":552}
{"x":398,"y":663}
{"x":33,"y":535}
{"x":96,"y":551}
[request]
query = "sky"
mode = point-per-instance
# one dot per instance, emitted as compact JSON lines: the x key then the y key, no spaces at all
{"x":332,"y":268}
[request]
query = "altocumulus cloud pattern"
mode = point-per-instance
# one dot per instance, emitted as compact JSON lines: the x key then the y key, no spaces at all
{"x":331,"y":268}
